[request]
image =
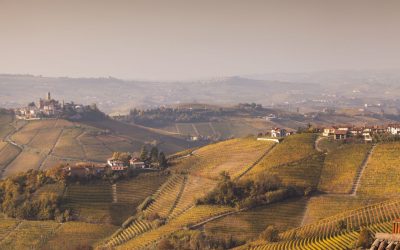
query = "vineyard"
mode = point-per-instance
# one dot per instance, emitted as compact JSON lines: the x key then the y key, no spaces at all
{"x":293,"y":149}
{"x":249,"y":224}
{"x":190,"y":217}
{"x":338,"y":231}
{"x":341,"y":166}
{"x":232,"y":156}
{"x":381,"y":175}
{"x":72,"y":235}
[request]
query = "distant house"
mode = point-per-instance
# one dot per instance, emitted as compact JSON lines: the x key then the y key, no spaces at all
{"x":115,"y":162}
{"x":136,"y":163}
{"x":393,"y":129}
{"x":341,"y":134}
{"x":116,"y":165}
{"x":328,"y":131}
{"x":356,"y":131}
{"x":278,"y":132}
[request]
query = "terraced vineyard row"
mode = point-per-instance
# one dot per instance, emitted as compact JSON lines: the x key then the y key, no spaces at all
{"x":190,"y":217}
{"x":337,"y":241}
{"x":353,"y":220}
{"x":136,"y":228}
{"x":167,"y":196}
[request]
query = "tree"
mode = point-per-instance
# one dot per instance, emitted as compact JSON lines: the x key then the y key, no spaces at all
{"x":165,"y":244}
{"x":144,"y":153}
{"x":270,"y":234}
{"x":154,"y":154}
{"x":363,"y":239}
{"x":162,"y":160}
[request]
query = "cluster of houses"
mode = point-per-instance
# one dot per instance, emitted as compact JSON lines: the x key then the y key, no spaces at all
{"x":48,"y":108}
{"x":345,"y":132}
{"x":367,"y":132}
{"x":115,"y":165}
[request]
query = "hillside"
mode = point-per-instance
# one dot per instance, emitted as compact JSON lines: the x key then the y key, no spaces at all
{"x":42,"y":144}
{"x":151,"y":208}
{"x":195,"y":176}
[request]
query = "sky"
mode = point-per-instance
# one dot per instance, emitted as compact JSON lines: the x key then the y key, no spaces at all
{"x":179,"y":40}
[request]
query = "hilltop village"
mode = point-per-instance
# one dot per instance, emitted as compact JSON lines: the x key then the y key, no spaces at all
{"x":344,"y":132}
{"x":49,"y":108}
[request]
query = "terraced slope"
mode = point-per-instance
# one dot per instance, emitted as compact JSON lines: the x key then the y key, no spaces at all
{"x":190,"y":217}
{"x":326,"y":234}
{"x":294,"y":149}
{"x":232,"y":156}
{"x":320,"y":207}
{"x":381,"y":175}
{"x":353,"y":219}
{"x":166,"y":198}
{"x":341,"y":166}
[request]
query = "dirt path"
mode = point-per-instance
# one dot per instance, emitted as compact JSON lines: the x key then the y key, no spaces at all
{"x":316,"y":144}
{"x":51,"y":149}
{"x":360,"y":172}
{"x":256,"y":162}
{"x":78,"y":140}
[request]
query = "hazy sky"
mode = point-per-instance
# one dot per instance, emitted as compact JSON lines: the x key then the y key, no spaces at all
{"x":196,"y":39}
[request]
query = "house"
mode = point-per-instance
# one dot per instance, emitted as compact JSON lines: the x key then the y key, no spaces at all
{"x":115,"y":162}
{"x":116,"y":165}
{"x":278,"y":132}
{"x":136,"y":163}
{"x":356,"y":131}
{"x":388,"y":240}
{"x":393,"y":129}
{"x":328,"y":131}
{"x":341,"y":134}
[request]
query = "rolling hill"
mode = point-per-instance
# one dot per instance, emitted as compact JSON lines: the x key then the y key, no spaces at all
{"x":42,"y":144}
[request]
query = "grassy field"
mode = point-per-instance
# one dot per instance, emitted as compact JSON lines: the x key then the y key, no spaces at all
{"x":95,"y":149}
{"x":140,"y":135}
{"x":341,"y":166}
{"x":232,"y":156}
{"x":68,"y":144}
{"x":226,"y":128}
{"x":24,"y":161}
{"x":248,"y":225}
{"x":381,"y":176}
{"x":7,"y":154}
{"x":46,"y":139}
{"x":5,"y":125}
